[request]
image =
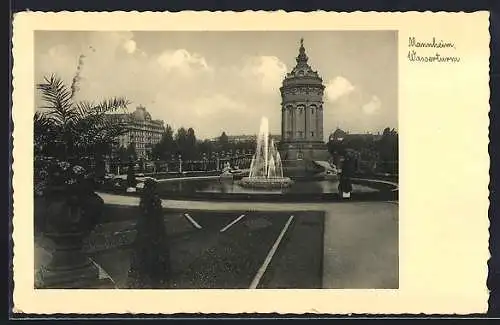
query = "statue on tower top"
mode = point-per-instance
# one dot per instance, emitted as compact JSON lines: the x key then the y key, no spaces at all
{"x":302,"y":58}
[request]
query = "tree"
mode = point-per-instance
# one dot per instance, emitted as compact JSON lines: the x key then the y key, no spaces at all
{"x":165,"y":148}
{"x":223,"y":141}
{"x":190,"y":150}
{"x":44,"y":134}
{"x":181,"y":141}
{"x":122,"y":154}
{"x":69,"y":129}
{"x":388,"y":150}
{"x":336,"y":147}
{"x":206,"y":147}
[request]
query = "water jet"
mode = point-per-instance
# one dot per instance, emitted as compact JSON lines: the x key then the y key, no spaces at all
{"x":266,"y":170}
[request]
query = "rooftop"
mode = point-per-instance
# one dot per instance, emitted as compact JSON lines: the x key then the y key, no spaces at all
{"x":140,"y":115}
{"x":302,"y":72}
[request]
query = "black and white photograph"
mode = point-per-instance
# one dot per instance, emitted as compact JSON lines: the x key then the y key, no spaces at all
{"x":195,"y":163}
{"x":216,"y":159}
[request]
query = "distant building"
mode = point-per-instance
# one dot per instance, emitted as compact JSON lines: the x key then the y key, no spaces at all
{"x":340,"y":135}
{"x":142,"y":130}
{"x":246,"y":137}
{"x":337,"y":135}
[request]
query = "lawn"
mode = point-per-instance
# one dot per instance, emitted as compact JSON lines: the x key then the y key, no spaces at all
{"x":208,"y":258}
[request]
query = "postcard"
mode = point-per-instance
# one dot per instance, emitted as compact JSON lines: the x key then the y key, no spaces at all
{"x":252,"y":162}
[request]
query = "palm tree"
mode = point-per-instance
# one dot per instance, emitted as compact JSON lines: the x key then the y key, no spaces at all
{"x":70,"y":130}
{"x":79,"y":127}
{"x":44,"y":135}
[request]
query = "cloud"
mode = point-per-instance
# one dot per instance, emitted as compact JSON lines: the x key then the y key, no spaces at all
{"x":213,"y":105}
{"x":268,"y":70}
{"x":352,"y":108}
{"x":109,"y":44}
{"x":58,"y":51}
{"x":174,"y":84}
{"x":177,"y":84}
{"x":182,"y":61}
{"x":130,"y":46}
{"x":372,"y":106}
{"x":337,"y":88}
{"x":208,"y":113}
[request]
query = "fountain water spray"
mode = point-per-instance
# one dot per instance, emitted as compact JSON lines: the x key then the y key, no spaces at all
{"x":266,"y":169}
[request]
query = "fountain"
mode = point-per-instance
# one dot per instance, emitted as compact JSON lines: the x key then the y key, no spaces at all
{"x":266,"y":170}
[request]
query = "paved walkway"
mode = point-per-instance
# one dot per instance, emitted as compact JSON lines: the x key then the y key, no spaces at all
{"x":360,"y":239}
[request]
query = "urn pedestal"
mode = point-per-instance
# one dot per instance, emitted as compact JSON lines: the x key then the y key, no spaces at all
{"x":70,"y":267}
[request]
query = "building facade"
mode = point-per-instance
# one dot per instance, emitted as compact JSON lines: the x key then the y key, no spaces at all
{"x":302,"y":116}
{"x":142,"y":131}
{"x":246,"y":137}
{"x":340,"y":135}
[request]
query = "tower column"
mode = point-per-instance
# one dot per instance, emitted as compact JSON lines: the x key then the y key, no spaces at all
{"x":320,"y":123}
{"x":283,"y":123}
{"x":311,"y":123}
{"x":306,"y":122}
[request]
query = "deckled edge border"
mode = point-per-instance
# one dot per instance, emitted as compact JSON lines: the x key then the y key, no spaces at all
{"x":492,"y":185}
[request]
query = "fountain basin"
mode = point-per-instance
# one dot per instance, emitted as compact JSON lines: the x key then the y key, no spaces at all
{"x":265,"y":182}
{"x":212,"y":188}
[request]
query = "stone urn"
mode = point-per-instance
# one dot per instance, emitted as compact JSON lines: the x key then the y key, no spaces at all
{"x":70,"y":213}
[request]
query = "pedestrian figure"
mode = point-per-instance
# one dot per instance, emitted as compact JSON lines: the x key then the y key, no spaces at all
{"x":131,"y":181}
{"x":345,"y":183}
{"x":150,"y":265}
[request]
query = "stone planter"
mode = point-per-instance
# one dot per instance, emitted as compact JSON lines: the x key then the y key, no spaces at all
{"x":69,"y":214}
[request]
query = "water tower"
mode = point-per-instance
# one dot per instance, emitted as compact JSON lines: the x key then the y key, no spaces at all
{"x":302,"y":119}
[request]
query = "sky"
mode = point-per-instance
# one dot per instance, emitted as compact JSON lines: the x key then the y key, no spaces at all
{"x":215,"y":81}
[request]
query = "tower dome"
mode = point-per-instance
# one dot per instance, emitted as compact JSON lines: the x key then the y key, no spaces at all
{"x":302,"y":73}
{"x":141,"y":114}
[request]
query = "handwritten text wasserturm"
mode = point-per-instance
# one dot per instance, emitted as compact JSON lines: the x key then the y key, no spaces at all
{"x":417,"y":48}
